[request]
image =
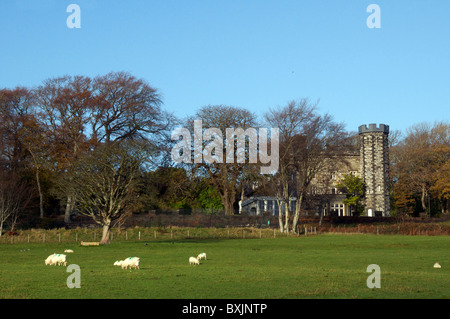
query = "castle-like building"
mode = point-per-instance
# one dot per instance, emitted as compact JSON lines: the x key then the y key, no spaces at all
{"x":374,"y":168}
{"x":370,"y":162}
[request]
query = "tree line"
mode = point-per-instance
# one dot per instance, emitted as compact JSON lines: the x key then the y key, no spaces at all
{"x":101,"y":147}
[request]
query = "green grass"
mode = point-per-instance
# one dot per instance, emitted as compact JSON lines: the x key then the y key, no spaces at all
{"x":323,"y":266}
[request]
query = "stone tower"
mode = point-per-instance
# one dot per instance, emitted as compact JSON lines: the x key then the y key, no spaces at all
{"x":374,"y":168}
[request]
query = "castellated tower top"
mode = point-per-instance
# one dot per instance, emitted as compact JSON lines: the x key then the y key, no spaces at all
{"x":373,"y":128}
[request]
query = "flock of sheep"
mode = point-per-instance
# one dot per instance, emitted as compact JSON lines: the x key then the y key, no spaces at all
{"x":196,"y":261}
{"x":130,"y":262}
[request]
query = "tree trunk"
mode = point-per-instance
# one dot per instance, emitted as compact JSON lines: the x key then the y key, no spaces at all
{"x":38,"y":182}
{"x":321,"y":217}
{"x":69,"y":209}
{"x":286,"y":208}
{"x":41,"y":197}
{"x":242,"y":200}
{"x":280,"y":216}
{"x":228,"y":202}
{"x":286,"y":220}
{"x":224,"y":198}
{"x":422,"y":199}
{"x":106,"y":232}
{"x":229,"y":209}
{"x":297,"y":212}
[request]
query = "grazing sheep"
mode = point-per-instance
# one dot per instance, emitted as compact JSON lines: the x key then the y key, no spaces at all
{"x":56,"y":260}
{"x":436,"y":265}
{"x":132,"y":262}
{"x":193,"y":260}
{"x":60,"y":259}
{"x":49,"y":260}
{"x":68,"y":251}
{"x":201,"y":256}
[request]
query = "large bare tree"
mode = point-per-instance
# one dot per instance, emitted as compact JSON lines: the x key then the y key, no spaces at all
{"x":307,"y":140}
{"x":126,"y":107}
{"x":104,"y":181}
{"x":322,"y":140}
{"x":290,"y":120}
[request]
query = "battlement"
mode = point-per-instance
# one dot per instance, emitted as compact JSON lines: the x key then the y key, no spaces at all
{"x":374,"y":128}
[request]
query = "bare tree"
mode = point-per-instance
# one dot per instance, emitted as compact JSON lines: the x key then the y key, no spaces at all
{"x":290,"y":121}
{"x":126,"y":107}
{"x":104,"y":181}
{"x":322,"y":139}
{"x":308,"y":139}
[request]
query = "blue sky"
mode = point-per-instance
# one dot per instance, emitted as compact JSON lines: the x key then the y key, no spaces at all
{"x":246,"y":53}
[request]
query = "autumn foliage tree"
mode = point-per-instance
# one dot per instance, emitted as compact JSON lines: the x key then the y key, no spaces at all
{"x":63,"y":104}
{"x":420,"y":168}
{"x":16,"y":112}
{"x":21,"y":137}
{"x":79,"y":114}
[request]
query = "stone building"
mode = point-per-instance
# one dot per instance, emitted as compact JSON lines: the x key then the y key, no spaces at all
{"x":370,"y":162}
{"x":374,"y":167}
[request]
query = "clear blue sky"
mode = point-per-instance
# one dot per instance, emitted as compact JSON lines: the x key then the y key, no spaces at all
{"x":246,"y":53}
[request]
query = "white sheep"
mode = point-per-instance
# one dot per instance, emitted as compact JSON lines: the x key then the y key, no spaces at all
{"x":56,"y":260}
{"x":49,"y":260}
{"x":201,"y":256}
{"x":132,"y":262}
{"x":68,"y":251}
{"x":436,"y":265}
{"x":193,"y":260}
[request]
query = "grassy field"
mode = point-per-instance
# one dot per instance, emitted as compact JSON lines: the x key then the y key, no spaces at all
{"x":322,"y":266}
